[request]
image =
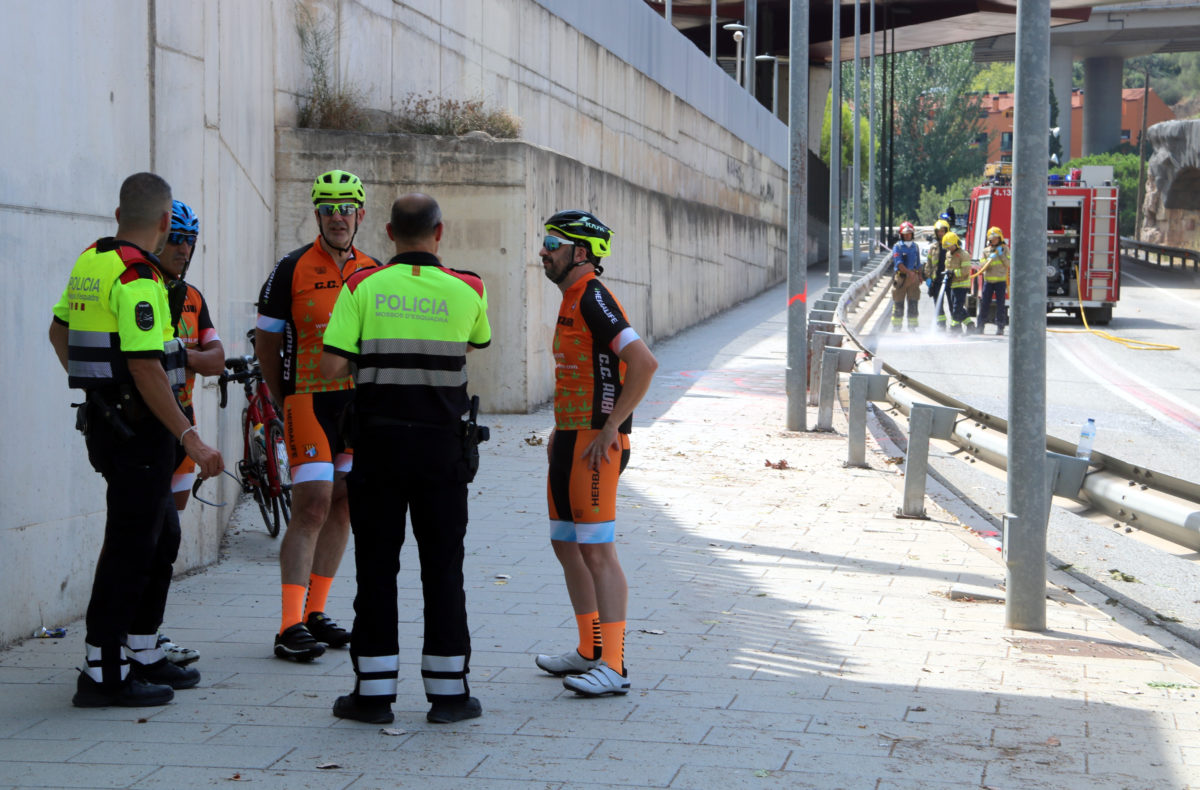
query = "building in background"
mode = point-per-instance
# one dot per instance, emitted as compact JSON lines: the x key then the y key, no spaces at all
{"x":996,"y":115}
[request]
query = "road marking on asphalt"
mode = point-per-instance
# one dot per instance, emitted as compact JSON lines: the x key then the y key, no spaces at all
{"x":1156,"y":402}
{"x":1164,"y":291}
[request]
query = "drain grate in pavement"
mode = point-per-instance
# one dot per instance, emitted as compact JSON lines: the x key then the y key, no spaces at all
{"x":1080,"y":647}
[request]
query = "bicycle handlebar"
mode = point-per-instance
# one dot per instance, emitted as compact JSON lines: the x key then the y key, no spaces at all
{"x":240,"y":369}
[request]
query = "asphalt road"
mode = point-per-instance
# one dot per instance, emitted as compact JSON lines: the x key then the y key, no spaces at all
{"x":1147,"y":408}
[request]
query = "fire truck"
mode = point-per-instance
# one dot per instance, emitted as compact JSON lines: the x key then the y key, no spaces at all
{"x":1082,"y":247}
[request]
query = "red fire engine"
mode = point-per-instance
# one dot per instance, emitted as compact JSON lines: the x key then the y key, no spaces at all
{"x":1082,"y":247}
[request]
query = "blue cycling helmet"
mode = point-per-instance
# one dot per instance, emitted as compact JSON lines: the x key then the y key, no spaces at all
{"x":183,"y":219}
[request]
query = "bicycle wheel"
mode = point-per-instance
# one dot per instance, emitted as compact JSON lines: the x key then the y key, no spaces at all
{"x":279,"y":477}
{"x":266,"y":503}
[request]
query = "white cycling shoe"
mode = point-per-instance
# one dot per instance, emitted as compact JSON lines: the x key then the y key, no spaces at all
{"x":598,"y":681}
{"x":569,"y":663}
{"x":177,"y":655}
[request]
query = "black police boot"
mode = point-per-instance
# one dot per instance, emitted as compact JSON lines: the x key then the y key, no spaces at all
{"x":452,"y":711}
{"x":130,"y":693}
{"x":352,"y":706}
{"x":164,"y":673}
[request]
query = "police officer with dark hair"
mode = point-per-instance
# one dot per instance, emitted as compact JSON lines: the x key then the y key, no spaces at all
{"x":113,"y":335}
{"x":408,"y":326}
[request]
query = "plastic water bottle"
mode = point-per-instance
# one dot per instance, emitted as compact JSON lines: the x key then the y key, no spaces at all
{"x":1087,"y":435}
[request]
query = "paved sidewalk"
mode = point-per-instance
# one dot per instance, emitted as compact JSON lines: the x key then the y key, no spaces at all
{"x":784,"y":631}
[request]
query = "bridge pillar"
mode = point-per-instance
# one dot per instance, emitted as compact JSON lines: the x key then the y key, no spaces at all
{"x":1061,"y":65}
{"x":1101,"y":104}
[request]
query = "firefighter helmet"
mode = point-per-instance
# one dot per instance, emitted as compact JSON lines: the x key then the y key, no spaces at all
{"x":942,"y":224}
{"x":950,"y":240}
{"x":995,"y":232}
{"x":907,"y":227}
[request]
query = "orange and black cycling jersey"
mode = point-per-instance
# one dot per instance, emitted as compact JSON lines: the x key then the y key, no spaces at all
{"x":592,"y":330}
{"x":194,"y":328}
{"x":296,"y":300}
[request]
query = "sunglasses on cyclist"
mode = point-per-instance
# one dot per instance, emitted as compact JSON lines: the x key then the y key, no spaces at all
{"x":329,"y":209}
{"x":552,"y":243}
{"x":182,"y":238}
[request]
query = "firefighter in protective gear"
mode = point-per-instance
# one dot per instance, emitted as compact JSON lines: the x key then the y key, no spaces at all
{"x":935,"y":270}
{"x":995,"y":280}
{"x":958,"y":270}
{"x":906,"y":277}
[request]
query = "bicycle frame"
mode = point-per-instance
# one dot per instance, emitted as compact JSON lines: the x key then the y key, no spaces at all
{"x":262,"y":470}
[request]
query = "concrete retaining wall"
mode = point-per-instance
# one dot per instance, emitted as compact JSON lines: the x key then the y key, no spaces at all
{"x":639,"y":127}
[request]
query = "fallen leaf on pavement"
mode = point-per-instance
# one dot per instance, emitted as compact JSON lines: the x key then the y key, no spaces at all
{"x":328,"y":765}
{"x":1052,"y":741}
{"x":780,"y":464}
{"x":391,"y":731}
{"x":655,"y":631}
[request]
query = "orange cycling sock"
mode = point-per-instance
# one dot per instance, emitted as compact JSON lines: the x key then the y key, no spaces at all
{"x":589,"y":634}
{"x":613,"y":635}
{"x":318,"y":594}
{"x":293,"y":605}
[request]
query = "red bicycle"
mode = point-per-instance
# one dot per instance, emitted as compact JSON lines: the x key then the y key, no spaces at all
{"x":263,"y":471}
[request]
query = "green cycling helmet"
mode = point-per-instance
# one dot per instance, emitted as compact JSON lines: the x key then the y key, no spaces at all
{"x":338,"y":186}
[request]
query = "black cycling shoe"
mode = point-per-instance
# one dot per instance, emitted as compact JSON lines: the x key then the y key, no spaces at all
{"x":297,"y":644}
{"x":131,"y":693}
{"x":458,"y":710}
{"x":163,"y":673}
{"x":324,"y":629}
{"x":354,"y":707}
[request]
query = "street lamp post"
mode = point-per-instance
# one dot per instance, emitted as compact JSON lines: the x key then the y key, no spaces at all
{"x":774,"y":80}
{"x":739,"y":32}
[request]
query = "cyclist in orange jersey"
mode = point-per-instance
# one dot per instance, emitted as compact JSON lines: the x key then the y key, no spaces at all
{"x":205,"y":355}
{"x":293,"y":311}
{"x":602,"y":371}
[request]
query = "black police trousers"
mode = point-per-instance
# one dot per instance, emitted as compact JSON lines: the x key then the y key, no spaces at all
{"x":414,"y":470}
{"x":141,"y":537}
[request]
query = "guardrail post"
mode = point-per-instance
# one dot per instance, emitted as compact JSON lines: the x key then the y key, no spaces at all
{"x":916,"y":466}
{"x":833,"y":361}
{"x":825,"y":304}
{"x":817,"y":347}
{"x":863,"y":387}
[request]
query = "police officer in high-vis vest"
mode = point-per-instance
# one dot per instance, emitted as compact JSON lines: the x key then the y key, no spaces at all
{"x":112,"y":333}
{"x":408,"y":326}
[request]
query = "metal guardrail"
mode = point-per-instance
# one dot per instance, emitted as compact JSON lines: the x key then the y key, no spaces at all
{"x":1141,"y":251}
{"x":1154,"y":502}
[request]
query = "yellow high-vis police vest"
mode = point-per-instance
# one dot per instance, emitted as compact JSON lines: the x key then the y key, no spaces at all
{"x":114,"y":307}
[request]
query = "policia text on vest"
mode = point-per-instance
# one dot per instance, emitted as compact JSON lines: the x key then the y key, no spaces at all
{"x":408,"y":326}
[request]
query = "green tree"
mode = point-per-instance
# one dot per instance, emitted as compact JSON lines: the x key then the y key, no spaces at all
{"x":995,"y":77}
{"x":864,"y":135}
{"x":937,"y":123}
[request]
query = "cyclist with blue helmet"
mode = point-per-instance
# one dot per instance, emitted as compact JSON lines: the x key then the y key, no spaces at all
{"x":205,"y":355}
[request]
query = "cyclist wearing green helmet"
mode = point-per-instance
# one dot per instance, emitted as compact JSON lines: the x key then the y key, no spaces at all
{"x":293,"y":311}
{"x":602,"y":371}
